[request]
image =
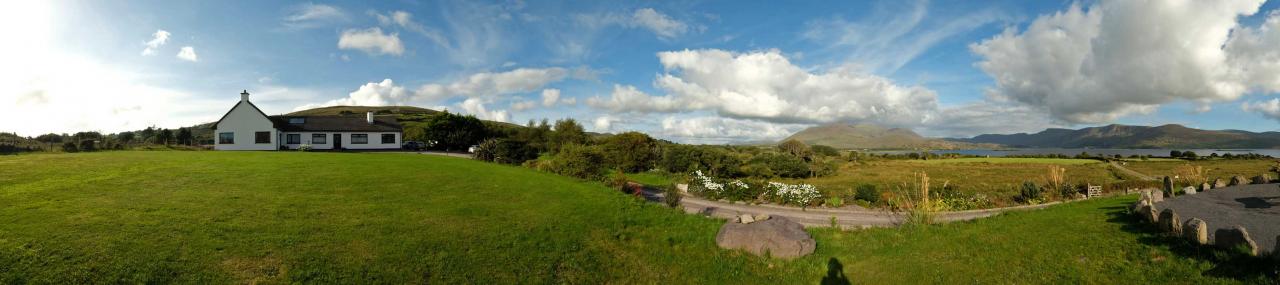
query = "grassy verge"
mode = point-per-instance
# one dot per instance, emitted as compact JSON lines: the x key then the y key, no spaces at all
{"x":263,"y":217}
{"x":1019,"y":160}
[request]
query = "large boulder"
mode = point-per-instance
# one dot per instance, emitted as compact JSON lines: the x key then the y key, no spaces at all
{"x":1234,"y":237}
{"x":1196,"y":230}
{"x":1262,"y":179}
{"x":1137,"y":206}
{"x":777,"y":236}
{"x":1170,"y":223}
{"x":1238,"y":180}
{"x":1219,"y":183}
{"x":1156,"y":196}
{"x":1149,"y":214}
{"x":1189,"y":190}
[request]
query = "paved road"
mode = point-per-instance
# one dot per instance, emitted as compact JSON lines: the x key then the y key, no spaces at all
{"x":1256,"y":207}
{"x":1131,"y":172}
{"x":821,"y":217}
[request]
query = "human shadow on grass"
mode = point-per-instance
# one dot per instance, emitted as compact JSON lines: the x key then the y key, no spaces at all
{"x":835,"y":273}
{"x":1232,"y":264}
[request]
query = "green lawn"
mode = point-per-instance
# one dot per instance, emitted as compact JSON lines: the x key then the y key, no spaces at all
{"x":1023,"y":160}
{"x":264,"y":217}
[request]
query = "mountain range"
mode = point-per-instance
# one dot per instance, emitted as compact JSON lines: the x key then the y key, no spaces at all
{"x":1125,"y":136}
{"x":870,"y":136}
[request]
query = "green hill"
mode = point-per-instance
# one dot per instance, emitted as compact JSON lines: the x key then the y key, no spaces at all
{"x":361,"y":110}
{"x":1124,"y":136}
{"x":869,"y":136}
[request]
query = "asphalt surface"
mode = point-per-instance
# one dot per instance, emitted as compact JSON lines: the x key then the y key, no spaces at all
{"x":1256,"y":207}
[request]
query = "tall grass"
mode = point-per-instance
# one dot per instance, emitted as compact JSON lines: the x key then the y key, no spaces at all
{"x":919,"y":209}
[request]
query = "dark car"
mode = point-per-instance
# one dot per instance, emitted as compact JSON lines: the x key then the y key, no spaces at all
{"x":414,"y":145}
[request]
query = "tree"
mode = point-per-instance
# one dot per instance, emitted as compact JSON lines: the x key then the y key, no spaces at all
{"x":49,"y":139}
{"x":164,"y":136}
{"x":797,"y":149}
{"x":147,"y":134}
{"x":567,"y":131}
{"x":453,"y":132}
{"x":823,"y":150}
{"x":1175,"y":153}
{"x":125,"y":137}
{"x":184,"y":136}
{"x":630,"y":151}
{"x":1190,"y":155}
{"x":69,"y":147}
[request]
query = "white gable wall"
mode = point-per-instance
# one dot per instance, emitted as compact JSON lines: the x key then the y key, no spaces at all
{"x":243,"y":121}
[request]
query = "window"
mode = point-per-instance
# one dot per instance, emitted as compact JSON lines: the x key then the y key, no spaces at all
{"x":293,"y":138}
{"x":388,"y":138}
{"x":297,"y":121}
{"x":226,"y":138}
{"x":262,"y":137}
{"x":319,"y":139}
{"x":359,"y":138}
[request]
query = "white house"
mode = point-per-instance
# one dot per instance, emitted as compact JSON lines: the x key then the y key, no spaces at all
{"x":245,"y":127}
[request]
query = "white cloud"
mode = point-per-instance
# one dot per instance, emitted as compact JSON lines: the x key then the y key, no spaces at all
{"x":604,"y":123}
{"x":523,"y":105}
{"x":550,"y":96}
{"x":188,"y":54}
{"x":766,"y":86}
{"x":1129,"y":57}
{"x":372,"y":41}
{"x":717,"y":130}
{"x":660,"y":24}
{"x":475,"y":106}
{"x":483,"y":85}
{"x":1269,"y":109}
{"x":159,"y":38}
{"x":311,"y":15}
{"x":405,"y":21}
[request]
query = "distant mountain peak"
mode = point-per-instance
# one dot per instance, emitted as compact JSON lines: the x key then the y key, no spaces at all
{"x":1128,"y":136}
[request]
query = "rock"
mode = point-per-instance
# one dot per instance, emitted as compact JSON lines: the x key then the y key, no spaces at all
{"x":684,"y":188}
{"x":1205,"y":187}
{"x":1219,"y":183}
{"x":1262,"y":179}
{"x":746,"y":219}
{"x":1238,"y":180}
{"x":1197,"y":231}
{"x":1234,"y":237}
{"x":1170,"y":223}
{"x":1168,"y":187}
{"x":1189,"y":190}
{"x":1157,"y":197}
{"x":1149,"y":214}
{"x":1137,"y":206}
{"x":778,"y":237}
{"x":762,"y":217}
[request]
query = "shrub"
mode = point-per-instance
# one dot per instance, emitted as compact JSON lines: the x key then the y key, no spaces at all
{"x":705,"y":186}
{"x":513,"y":152}
{"x":782,"y":165}
{"x":671,"y":195}
{"x":579,"y":161}
{"x":1068,"y":191}
{"x":87,"y":145}
{"x":795,"y":194}
{"x":305,"y":147}
{"x":822,"y":150}
{"x":834,"y":202}
{"x":715,"y":161}
{"x":868,"y":192}
{"x":619,"y":179}
{"x":70,"y":147}
{"x":485,"y":151}
{"x":1030,"y":193}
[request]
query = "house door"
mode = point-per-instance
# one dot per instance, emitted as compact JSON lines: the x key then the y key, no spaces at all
{"x":337,"y":141}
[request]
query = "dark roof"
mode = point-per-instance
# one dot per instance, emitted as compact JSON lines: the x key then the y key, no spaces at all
{"x":337,"y":124}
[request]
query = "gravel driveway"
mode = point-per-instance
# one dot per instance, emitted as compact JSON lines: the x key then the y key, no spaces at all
{"x":1256,"y":207}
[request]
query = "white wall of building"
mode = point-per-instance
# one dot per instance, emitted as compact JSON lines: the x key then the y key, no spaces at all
{"x":375,"y":140}
{"x":243,"y":121}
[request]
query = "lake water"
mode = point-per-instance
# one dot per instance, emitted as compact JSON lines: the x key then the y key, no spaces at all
{"x":1092,"y":151}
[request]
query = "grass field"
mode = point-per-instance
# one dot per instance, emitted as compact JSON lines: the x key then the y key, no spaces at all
{"x":1212,"y":168}
{"x":999,"y":181}
{"x":263,"y":217}
{"x":1018,"y":160}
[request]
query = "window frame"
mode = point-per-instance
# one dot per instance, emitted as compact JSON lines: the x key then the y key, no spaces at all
{"x":319,"y":139}
{"x":297,"y":121}
{"x":258,"y":136}
{"x":385,"y":136}
{"x":292,"y":138}
{"x":359,"y":138}
{"x":230,"y":139}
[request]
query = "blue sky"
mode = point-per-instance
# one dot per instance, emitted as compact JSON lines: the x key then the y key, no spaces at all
{"x":691,"y":71}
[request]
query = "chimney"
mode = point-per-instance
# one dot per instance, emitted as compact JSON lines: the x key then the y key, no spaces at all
{"x":368,"y":117}
{"x":244,"y":96}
